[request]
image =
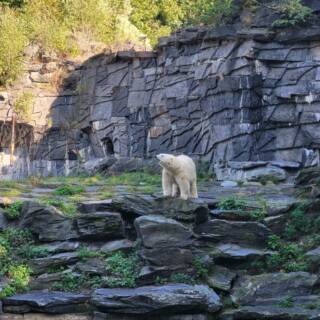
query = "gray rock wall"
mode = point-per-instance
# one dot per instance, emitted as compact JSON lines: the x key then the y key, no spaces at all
{"x":221,"y":95}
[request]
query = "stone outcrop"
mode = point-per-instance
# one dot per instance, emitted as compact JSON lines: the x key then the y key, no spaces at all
{"x":245,"y":98}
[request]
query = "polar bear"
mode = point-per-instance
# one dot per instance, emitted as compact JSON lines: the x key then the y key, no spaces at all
{"x":178,"y":175}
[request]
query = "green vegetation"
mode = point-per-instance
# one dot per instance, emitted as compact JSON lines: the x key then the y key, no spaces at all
{"x":22,"y":106}
{"x":301,"y":224}
{"x":60,"y":26}
{"x":85,"y":253}
{"x":286,"y":303}
{"x":261,"y":212}
{"x":201,"y":268}
{"x":68,"y":208}
{"x":159,"y":18}
{"x":181,"y":278}
{"x":12,"y":263}
{"x":293,"y":13}
{"x":69,"y":190}
{"x":13,"y":41}
{"x":122,"y":270}
{"x":232,"y":203}
{"x":75,"y":282}
{"x":13,"y":210}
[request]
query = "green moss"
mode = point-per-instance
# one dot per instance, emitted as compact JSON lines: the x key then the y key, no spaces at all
{"x":13,"y":211}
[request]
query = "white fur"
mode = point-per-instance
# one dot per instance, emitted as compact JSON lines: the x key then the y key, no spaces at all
{"x":178,"y":176}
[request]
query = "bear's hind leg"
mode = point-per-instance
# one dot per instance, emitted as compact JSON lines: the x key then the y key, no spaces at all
{"x":167,"y":182}
{"x":175,"y":190}
{"x":194,"y":191}
{"x":184,"y":186}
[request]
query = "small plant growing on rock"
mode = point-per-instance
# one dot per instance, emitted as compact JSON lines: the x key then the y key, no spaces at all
{"x":201,"y":268}
{"x":13,"y":211}
{"x":181,"y":278}
{"x":232,"y":204}
{"x":85,"y":253}
{"x":286,"y":303}
{"x":122,"y":270}
{"x":68,"y":190}
{"x":67,"y":208}
{"x":19,"y":277}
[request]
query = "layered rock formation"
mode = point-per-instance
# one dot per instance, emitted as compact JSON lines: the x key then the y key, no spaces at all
{"x":229,"y":95}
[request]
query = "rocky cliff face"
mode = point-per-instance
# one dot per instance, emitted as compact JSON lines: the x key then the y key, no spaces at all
{"x":229,"y":95}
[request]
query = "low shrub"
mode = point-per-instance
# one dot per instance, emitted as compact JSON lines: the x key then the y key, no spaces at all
{"x":69,"y":190}
{"x":122,"y":270}
{"x":13,"y":211}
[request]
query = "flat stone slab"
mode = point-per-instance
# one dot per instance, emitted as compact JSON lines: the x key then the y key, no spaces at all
{"x":253,"y":290}
{"x":94,"y":205}
{"x":270,"y":313}
{"x":168,"y":299}
{"x":181,"y":210}
{"x":235,"y":252}
{"x":158,"y":231}
{"x":46,"y":302}
{"x":237,"y":232}
{"x":41,"y":265}
{"x":221,"y":278}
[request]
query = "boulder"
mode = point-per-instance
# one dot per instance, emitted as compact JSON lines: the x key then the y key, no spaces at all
{"x":168,"y":299}
{"x":47,"y":222}
{"x":181,"y":210}
{"x":254,"y":290}
{"x":221,"y":278}
{"x":171,"y":257}
{"x":41,"y":265}
{"x":92,"y":266}
{"x":158,"y":231}
{"x":117,"y":245}
{"x":233,"y":252}
{"x":93,"y":206}
{"x":46,"y":302}
{"x":235,"y":232}
{"x":270,"y":313}
{"x":100,"y":225}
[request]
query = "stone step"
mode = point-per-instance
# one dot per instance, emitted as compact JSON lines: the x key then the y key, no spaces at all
{"x":167,"y":299}
{"x":270,"y":313}
{"x":47,"y":302}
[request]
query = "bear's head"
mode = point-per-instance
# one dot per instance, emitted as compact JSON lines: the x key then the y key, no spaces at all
{"x":167,"y":161}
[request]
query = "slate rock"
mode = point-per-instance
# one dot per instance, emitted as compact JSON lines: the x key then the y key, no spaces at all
{"x":168,"y":299}
{"x":253,"y":290}
{"x":271,"y":173}
{"x":41,"y":265}
{"x":117,"y":245}
{"x":100,"y":225}
{"x":221,"y":278}
{"x":235,"y":252}
{"x":46,"y":302}
{"x":47,"y":222}
{"x":92,"y":266}
{"x":171,"y":257}
{"x":158,"y":231}
{"x":270,"y":313}
{"x":234,"y":232}
{"x":178,"y":209}
{"x":93,"y":206}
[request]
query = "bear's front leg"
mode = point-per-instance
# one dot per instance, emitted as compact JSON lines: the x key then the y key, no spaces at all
{"x":184,"y":186}
{"x":167,"y":182}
